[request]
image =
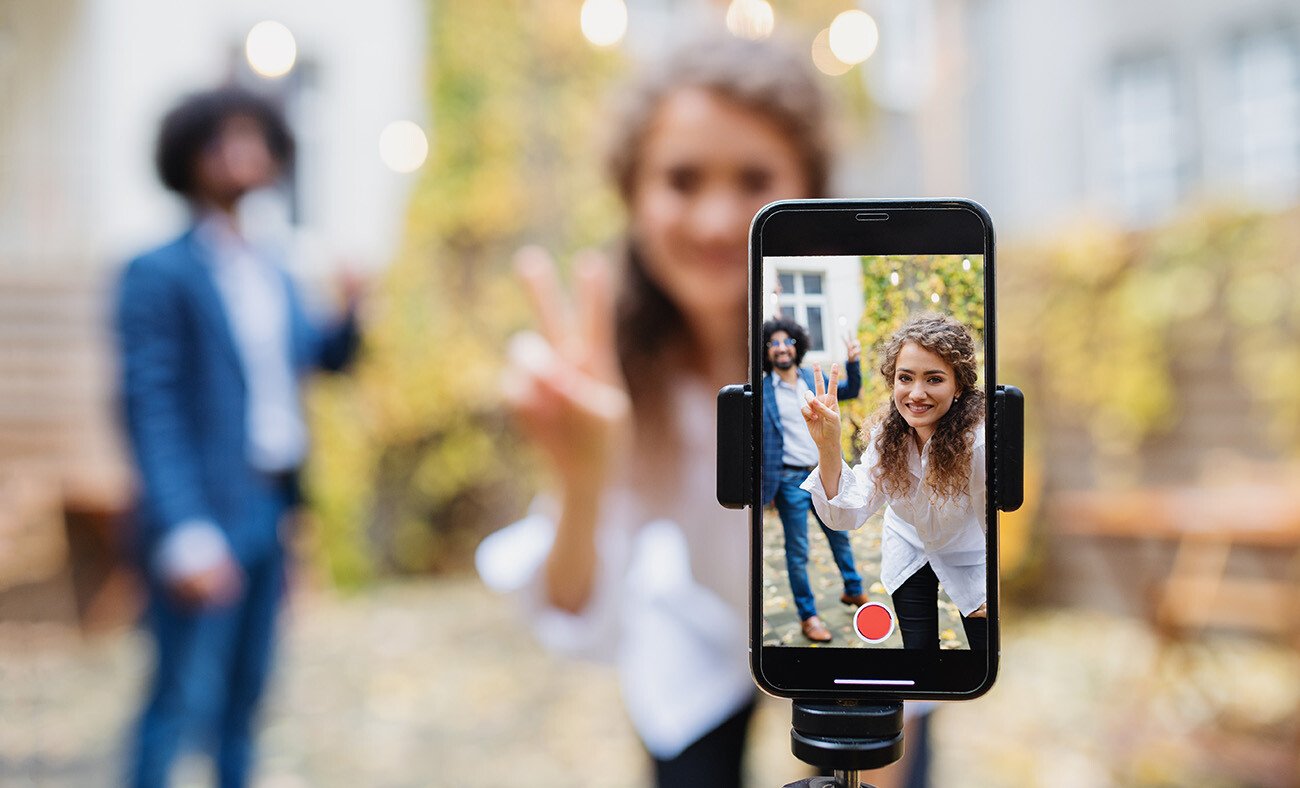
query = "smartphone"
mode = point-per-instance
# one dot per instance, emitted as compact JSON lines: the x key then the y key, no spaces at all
{"x":887,"y":589}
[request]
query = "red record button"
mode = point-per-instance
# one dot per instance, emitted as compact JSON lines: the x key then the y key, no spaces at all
{"x":873,"y":622}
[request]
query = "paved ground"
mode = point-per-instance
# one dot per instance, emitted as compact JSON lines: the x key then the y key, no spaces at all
{"x":421,"y":683}
{"x":433,"y":683}
{"x":781,"y":626}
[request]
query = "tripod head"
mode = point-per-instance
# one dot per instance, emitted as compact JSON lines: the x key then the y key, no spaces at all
{"x":845,"y":737}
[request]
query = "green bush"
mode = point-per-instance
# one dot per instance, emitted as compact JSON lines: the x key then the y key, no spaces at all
{"x":414,"y":458}
{"x":938,"y":283}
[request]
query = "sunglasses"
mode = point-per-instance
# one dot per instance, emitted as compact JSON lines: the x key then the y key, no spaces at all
{"x":787,"y":342}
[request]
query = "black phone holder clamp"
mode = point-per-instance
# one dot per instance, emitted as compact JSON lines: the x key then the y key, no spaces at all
{"x":845,"y":737}
{"x":736,"y":474}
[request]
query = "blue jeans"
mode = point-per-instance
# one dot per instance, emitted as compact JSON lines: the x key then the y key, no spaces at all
{"x":211,"y":667}
{"x":794,"y":506}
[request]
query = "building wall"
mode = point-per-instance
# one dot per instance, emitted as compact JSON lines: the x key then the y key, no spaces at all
{"x":1013,"y":103}
{"x":1043,"y":145}
{"x":44,"y":208}
{"x":85,"y":83}
{"x":841,"y":298}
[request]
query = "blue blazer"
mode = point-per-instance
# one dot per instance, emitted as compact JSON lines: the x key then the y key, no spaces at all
{"x":773,"y":445}
{"x":183,"y":397}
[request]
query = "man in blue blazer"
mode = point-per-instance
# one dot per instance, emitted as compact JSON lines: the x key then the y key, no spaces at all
{"x":214,"y":344}
{"x":789,"y":455}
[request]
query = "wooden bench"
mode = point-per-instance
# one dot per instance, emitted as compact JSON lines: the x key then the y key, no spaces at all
{"x":1206,"y":525}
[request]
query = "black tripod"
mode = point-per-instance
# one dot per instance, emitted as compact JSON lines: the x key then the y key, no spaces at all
{"x":845,"y":737}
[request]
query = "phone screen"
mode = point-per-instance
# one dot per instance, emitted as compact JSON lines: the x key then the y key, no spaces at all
{"x":873,"y":534}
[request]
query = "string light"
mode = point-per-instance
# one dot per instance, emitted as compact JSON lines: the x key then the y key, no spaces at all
{"x":604,"y":22}
{"x":752,"y":19}
{"x":403,"y":146}
{"x":853,"y":36}
{"x":270,"y":49}
{"x":824,"y":59}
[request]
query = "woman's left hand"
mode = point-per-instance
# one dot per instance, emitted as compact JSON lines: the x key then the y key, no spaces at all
{"x":821,"y":412}
{"x":569,"y":397}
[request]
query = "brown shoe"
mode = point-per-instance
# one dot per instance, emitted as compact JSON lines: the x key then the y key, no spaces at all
{"x":857,"y":600}
{"x":815,"y":630}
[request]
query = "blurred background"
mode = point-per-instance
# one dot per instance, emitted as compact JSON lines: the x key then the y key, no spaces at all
{"x":1141,"y":161}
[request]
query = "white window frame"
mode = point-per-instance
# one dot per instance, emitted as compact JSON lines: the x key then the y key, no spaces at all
{"x":1149,"y":139}
{"x":795,"y":305}
{"x":1265,"y":130}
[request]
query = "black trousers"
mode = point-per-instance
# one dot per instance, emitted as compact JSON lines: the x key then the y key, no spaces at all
{"x":916,"y":603}
{"x":713,"y":760}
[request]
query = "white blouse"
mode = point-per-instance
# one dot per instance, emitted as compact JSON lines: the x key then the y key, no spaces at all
{"x":947,"y":533}
{"x":671,"y":597}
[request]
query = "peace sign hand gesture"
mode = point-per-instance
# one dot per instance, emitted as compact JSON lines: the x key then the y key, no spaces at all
{"x":570,"y":398}
{"x":821,"y":412}
{"x":853,"y":347}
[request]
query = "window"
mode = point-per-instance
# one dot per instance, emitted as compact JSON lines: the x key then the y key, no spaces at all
{"x":803,"y":299}
{"x":1265,"y":78}
{"x":1149,"y":148}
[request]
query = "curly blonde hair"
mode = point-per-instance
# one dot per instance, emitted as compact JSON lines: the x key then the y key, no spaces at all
{"x":951,"y":447}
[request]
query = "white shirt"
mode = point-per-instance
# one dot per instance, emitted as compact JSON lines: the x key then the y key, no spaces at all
{"x":949,"y":533}
{"x":256,"y":305}
{"x":797,"y":447}
{"x":671,"y":597}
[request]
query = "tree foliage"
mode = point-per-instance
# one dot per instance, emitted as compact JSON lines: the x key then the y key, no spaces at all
{"x":895,"y":287}
{"x":1097,"y":320}
{"x":414,"y":458}
{"x":1118,"y":335}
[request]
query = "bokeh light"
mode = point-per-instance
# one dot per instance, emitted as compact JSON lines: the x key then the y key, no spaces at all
{"x":403,"y":146}
{"x":270,"y":49}
{"x":853,"y":36}
{"x":604,"y":22}
{"x":824,"y":59}
{"x":753,"y":19}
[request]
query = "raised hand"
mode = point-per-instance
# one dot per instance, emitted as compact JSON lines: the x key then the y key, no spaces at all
{"x":853,"y":346}
{"x":568,"y":395}
{"x":821,"y":412}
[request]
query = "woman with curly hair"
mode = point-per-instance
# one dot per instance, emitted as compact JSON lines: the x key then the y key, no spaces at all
{"x":925,"y":464}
